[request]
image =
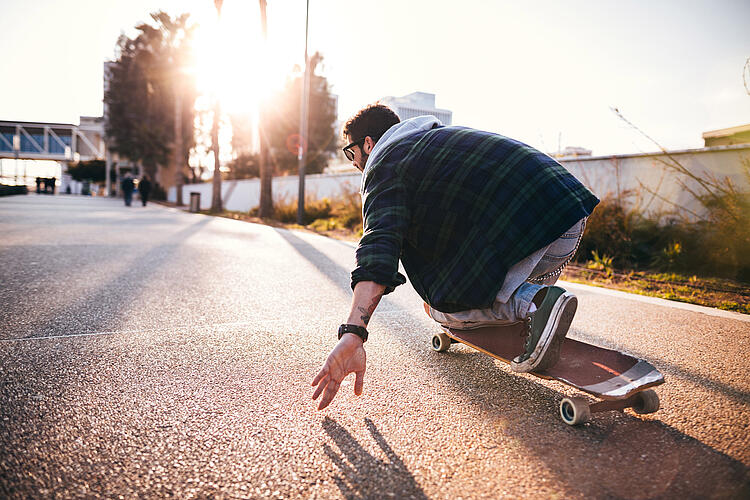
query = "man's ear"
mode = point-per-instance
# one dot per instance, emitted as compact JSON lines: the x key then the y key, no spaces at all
{"x":368,"y":145}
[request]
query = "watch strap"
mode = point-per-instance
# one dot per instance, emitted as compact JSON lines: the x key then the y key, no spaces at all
{"x":359,"y":331}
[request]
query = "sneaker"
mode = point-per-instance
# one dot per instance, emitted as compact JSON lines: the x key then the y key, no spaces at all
{"x":546,"y":329}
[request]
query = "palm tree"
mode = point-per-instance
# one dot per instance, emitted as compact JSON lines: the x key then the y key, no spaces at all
{"x":216,"y":198}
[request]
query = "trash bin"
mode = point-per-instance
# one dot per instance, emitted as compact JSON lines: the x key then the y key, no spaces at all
{"x":195,"y":202}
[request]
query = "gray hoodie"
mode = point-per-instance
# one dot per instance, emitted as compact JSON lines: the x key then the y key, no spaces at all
{"x":398,"y":132}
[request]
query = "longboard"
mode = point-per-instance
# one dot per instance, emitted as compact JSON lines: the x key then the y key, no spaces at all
{"x":619,"y":380}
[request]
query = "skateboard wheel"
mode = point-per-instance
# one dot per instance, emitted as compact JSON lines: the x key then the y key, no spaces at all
{"x":441,"y":342}
{"x":646,"y":402}
{"x":574,"y":411}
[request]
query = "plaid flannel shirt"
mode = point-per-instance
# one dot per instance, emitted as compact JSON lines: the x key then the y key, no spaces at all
{"x":459,"y":207}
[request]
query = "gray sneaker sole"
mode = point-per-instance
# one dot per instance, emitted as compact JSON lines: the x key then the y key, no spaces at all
{"x":547,"y":352}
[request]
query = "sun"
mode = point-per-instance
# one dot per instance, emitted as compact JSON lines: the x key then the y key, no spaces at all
{"x":234,"y":65}
{"x":233,"y":62}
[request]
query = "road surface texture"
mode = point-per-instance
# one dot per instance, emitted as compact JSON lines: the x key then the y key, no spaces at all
{"x":148,"y":352}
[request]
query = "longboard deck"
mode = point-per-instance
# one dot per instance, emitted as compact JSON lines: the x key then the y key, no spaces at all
{"x":605,"y":373}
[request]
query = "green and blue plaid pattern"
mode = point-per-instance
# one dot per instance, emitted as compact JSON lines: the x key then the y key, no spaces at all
{"x":459,"y":207}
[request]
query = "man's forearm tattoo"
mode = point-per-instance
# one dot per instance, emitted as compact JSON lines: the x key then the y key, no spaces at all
{"x":367,"y":313}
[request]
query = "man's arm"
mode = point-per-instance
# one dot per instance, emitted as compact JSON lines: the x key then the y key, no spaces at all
{"x":349,"y":354}
{"x":366,"y":297}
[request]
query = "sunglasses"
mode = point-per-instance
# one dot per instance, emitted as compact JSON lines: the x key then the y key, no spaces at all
{"x":349,"y":152}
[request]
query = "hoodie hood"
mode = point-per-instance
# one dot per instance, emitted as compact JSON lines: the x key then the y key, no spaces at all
{"x":398,"y":132}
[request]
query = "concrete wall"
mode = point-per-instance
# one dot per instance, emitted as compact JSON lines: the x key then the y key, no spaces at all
{"x":606,"y":176}
{"x":243,"y":195}
{"x":657,"y":190}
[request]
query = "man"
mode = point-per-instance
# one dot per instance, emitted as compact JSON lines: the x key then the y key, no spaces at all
{"x":144,"y":188}
{"x":128,"y":186}
{"x":482,"y":224}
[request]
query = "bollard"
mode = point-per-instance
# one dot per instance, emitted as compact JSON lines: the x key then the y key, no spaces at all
{"x":195,"y":202}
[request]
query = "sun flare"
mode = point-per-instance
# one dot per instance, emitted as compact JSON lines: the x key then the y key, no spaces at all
{"x":233,"y":63}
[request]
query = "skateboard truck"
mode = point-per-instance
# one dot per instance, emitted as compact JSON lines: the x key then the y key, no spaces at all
{"x":576,"y":410}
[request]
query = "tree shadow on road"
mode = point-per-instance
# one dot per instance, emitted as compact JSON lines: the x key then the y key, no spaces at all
{"x":363,"y":475}
{"x":103,"y":307}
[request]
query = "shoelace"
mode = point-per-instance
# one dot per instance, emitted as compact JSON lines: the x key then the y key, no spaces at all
{"x":526,"y":332}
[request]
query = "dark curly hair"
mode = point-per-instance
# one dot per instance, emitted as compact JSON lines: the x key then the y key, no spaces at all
{"x":372,"y":121}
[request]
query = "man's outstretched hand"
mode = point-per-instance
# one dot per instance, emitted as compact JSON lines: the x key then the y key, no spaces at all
{"x":348,"y":356}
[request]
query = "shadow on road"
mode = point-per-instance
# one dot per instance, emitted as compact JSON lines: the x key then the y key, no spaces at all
{"x":335,"y":273}
{"x":617,"y":456}
{"x":363,"y":475}
{"x":737,"y":395}
{"x":109,"y":301}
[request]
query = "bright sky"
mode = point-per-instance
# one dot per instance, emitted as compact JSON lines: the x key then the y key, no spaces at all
{"x":543,"y":72}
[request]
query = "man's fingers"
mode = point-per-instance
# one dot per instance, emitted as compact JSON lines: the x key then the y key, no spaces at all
{"x":322,"y":373}
{"x":320,"y":388}
{"x":330,"y":392}
{"x":359,"y":382}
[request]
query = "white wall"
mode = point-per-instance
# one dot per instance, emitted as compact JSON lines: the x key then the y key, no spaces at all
{"x":243,"y":195}
{"x":642,"y":175}
{"x":603,"y":175}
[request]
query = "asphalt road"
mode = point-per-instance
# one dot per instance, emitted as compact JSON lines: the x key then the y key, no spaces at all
{"x":147,"y":352}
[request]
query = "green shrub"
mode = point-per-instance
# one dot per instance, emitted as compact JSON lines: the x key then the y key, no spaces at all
{"x":347,"y":209}
{"x":286,"y":211}
{"x":6,"y":190}
{"x":603,"y":263}
{"x":341,"y":212}
{"x":714,"y":243}
{"x":609,"y":232}
{"x":717,"y":246}
{"x":669,"y":257}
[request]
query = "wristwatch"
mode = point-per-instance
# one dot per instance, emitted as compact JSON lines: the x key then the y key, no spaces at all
{"x":359,"y":331}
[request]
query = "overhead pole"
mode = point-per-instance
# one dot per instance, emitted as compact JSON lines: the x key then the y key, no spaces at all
{"x":265,"y":208}
{"x":303,"y":127}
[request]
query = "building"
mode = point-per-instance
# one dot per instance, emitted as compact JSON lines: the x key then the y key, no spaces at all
{"x":45,"y":149}
{"x":53,"y":141}
{"x":417,"y":104}
{"x":571,"y":152}
{"x":727,"y":136}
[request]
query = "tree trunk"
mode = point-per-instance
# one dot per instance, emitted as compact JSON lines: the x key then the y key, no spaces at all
{"x":216,"y":198}
{"x":265,"y":209}
{"x":266,"y":177}
{"x":177,"y":153}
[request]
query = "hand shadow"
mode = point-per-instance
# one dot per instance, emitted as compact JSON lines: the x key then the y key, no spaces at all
{"x":363,"y":475}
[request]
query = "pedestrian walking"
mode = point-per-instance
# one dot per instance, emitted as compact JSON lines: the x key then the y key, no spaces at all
{"x":144,"y":188}
{"x":128,"y":186}
{"x":482,"y":223}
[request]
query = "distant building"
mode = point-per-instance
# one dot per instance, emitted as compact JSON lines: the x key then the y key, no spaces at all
{"x":727,"y":136}
{"x":417,"y":104}
{"x":52,"y":141}
{"x":571,"y":152}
